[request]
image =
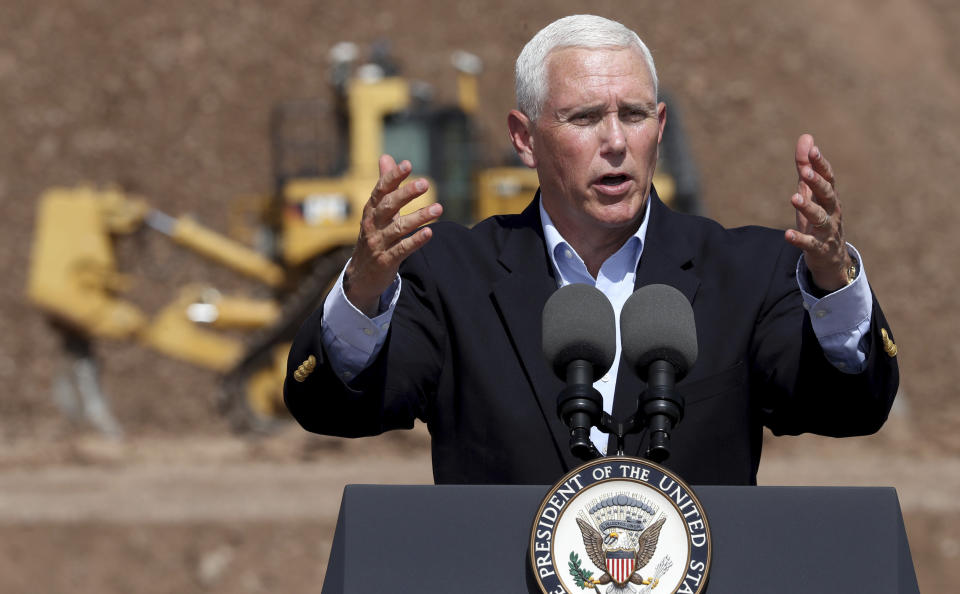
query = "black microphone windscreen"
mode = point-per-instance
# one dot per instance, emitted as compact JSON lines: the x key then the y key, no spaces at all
{"x":656,"y":323}
{"x":579,"y":324}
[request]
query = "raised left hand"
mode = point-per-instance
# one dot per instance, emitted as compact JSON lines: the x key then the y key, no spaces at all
{"x":819,"y":231}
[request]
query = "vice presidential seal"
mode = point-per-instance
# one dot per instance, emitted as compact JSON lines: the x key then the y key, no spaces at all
{"x":618,"y":525}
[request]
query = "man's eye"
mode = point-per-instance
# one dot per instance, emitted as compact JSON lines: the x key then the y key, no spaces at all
{"x":633,"y":116}
{"x":584,"y":119}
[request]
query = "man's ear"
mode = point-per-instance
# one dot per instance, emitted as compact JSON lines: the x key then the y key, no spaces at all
{"x":661,"y":119}
{"x":520,"y":126}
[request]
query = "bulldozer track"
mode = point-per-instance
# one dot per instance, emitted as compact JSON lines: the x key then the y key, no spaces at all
{"x":302,"y":302}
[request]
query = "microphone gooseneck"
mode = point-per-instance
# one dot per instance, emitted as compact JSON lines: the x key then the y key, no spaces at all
{"x":580,"y":344}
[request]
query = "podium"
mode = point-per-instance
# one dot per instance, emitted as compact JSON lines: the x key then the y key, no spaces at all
{"x":475,"y":539}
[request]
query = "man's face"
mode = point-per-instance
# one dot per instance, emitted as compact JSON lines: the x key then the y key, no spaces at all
{"x":596,"y":140}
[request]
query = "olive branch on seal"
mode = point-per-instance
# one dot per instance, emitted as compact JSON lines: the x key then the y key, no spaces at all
{"x":579,"y":575}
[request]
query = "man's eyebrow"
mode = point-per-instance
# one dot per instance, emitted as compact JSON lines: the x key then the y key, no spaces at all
{"x":581,"y":108}
{"x":644,"y":106}
{"x":638,"y":106}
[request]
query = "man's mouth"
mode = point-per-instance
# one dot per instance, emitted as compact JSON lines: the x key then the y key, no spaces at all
{"x":613,"y":180}
{"x":613,"y":184}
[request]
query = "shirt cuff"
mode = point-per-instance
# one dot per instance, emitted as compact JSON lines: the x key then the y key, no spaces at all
{"x":350,"y":338}
{"x":841,"y":319}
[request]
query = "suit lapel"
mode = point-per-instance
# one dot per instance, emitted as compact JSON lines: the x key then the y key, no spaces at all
{"x":519,"y":297}
{"x":667,"y":259}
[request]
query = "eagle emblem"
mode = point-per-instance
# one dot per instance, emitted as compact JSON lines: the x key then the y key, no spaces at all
{"x":620,"y":535}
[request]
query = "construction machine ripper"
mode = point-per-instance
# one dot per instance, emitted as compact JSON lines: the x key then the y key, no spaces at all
{"x":308,"y":226}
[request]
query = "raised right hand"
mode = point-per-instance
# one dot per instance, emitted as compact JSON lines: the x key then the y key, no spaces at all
{"x":385,"y":240}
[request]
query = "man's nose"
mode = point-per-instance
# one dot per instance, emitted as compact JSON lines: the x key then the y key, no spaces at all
{"x":612,"y":135}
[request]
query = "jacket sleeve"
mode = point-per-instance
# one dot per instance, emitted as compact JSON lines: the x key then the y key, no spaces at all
{"x":798,"y":390}
{"x":394,"y":390}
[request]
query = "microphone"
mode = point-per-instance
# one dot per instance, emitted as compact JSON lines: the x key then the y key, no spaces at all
{"x":659,"y":338}
{"x":579,"y":343}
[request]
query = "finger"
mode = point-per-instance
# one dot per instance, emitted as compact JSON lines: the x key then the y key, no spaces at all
{"x":403,"y":226}
{"x":804,"y":190}
{"x":401,"y":250}
{"x":391,"y":175}
{"x":390,"y":205}
{"x":386,"y":163}
{"x":822,"y":166}
{"x":389,"y":247}
{"x":807,"y":243}
{"x":823,"y":192}
{"x":811,"y":216}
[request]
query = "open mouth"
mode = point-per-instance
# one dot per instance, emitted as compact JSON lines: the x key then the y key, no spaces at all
{"x":612,"y":180}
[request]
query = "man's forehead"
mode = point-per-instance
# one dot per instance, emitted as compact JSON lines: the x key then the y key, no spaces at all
{"x":574,"y":61}
{"x":580,"y":70}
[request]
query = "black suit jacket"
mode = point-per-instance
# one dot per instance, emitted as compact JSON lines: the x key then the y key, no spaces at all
{"x":463,"y":354}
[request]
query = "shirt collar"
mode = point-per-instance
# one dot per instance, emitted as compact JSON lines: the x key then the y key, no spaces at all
{"x":571,"y":268}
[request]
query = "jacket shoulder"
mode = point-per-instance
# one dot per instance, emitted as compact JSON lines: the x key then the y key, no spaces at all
{"x":486,"y":237}
{"x":707,"y":237}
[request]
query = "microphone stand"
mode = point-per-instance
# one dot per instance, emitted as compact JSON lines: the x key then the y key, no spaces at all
{"x":578,"y":409}
{"x":661,"y":408}
{"x":619,"y":429}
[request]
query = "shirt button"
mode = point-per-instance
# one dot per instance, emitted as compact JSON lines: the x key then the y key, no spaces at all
{"x":605,"y":378}
{"x":346,"y":375}
{"x":821,"y":313}
{"x":841,"y":365}
{"x":385,"y":326}
{"x":806,"y":306}
{"x":568,"y":254}
{"x":368,"y":331}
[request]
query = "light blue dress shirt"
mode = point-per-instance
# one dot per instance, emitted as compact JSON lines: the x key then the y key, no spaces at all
{"x":840,"y":319}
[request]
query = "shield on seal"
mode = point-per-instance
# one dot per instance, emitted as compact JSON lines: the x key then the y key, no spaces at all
{"x":620,"y":564}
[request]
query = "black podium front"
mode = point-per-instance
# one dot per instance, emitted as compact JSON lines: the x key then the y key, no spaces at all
{"x":474,"y":539}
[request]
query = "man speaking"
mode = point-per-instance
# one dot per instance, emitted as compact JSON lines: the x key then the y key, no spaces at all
{"x":443,"y":323}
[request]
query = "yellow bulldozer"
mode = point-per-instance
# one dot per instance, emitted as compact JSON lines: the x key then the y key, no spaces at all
{"x":308,"y":225}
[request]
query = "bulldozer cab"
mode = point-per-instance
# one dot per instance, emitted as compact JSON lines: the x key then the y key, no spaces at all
{"x":442,"y":140}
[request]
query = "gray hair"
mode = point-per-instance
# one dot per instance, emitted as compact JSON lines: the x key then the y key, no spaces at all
{"x":580,"y":30}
